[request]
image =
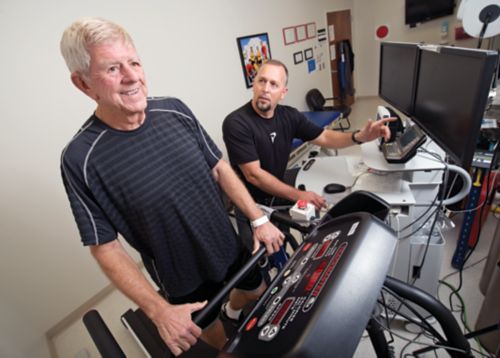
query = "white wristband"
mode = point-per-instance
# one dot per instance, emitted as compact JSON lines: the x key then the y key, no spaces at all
{"x":260,"y":221}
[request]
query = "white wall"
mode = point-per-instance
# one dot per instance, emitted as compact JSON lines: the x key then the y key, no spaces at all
{"x":368,"y":15}
{"x":189,"y":50}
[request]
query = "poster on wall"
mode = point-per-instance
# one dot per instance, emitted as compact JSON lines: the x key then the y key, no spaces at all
{"x":253,"y":50}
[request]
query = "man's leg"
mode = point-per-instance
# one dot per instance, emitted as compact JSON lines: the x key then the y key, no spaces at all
{"x":239,"y":298}
{"x":215,"y":335}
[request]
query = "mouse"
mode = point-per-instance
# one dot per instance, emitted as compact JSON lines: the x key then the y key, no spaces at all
{"x":334,"y":188}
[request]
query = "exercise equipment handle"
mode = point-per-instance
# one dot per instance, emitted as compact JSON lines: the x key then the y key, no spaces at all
{"x":445,"y":318}
{"x":101,"y":335}
{"x":214,"y":303}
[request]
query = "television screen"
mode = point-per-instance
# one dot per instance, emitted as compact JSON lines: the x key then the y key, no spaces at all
{"x":425,"y":10}
{"x":398,"y":63}
{"x":451,"y":95}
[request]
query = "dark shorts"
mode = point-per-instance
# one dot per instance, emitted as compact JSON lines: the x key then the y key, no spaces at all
{"x":209,"y":289}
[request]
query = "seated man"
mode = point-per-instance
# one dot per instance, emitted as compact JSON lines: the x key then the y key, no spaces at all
{"x":258,"y":137}
{"x":146,"y":168}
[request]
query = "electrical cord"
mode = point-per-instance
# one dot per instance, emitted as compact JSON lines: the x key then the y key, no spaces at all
{"x":422,"y":323}
{"x":421,"y":215}
{"x":426,"y":344}
{"x":465,"y":268}
{"x":479,"y":206}
{"x":417,"y":269}
{"x":420,"y":227}
{"x":463,"y":314}
{"x":414,"y":340}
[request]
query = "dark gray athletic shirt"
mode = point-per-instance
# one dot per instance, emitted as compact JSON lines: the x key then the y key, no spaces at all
{"x":154,"y":186}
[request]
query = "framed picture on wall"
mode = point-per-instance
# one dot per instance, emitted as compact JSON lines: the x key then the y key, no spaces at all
{"x":308,"y":53}
{"x":289,"y":36}
{"x":311,"y":30}
{"x":301,"y":31}
{"x":253,"y":50}
{"x":297,"y":57}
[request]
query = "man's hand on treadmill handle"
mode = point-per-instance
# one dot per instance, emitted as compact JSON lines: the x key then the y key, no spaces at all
{"x":175,"y":326}
{"x":270,"y":236}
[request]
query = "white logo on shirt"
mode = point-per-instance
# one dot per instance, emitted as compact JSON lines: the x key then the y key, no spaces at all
{"x":272,"y":135}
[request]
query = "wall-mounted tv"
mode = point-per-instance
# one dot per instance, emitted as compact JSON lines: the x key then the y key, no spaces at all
{"x":424,"y":10}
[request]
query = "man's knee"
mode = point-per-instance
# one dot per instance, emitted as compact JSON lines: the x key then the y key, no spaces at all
{"x":253,"y":294}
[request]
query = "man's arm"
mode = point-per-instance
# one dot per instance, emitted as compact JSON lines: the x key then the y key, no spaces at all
{"x":173,"y":321}
{"x":266,"y":233}
{"x":267,"y":182}
{"x":372,"y":130}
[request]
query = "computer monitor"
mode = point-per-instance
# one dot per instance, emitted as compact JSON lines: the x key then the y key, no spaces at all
{"x":451,"y":95}
{"x":398,"y":64}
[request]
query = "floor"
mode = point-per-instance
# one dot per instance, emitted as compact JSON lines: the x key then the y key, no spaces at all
{"x":74,"y":341}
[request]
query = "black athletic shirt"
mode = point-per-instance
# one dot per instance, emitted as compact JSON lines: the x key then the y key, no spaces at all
{"x":154,"y":186}
{"x":249,"y":137}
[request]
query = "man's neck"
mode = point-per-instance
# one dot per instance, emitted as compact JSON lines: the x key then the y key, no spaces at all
{"x":120,"y":121}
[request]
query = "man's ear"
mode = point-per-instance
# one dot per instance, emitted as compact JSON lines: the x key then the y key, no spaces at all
{"x":81,"y":83}
{"x":284,"y":92}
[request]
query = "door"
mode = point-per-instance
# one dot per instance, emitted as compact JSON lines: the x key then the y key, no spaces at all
{"x":339,"y":28}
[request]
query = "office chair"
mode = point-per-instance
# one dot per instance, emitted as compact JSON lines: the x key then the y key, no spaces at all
{"x":316,"y":102}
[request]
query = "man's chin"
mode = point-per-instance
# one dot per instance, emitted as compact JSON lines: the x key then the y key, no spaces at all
{"x":264,"y":108}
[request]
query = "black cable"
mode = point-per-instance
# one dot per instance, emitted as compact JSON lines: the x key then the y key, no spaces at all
{"x":421,"y":225}
{"x":407,"y":345}
{"x":421,"y":215}
{"x":429,"y":346}
{"x":441,"y":193}
{"x":423,"y":323}
{"x":419,"y":267}
{"x":465,"y":268}
{"x":384,"y":305}
{"x":416,"y":272}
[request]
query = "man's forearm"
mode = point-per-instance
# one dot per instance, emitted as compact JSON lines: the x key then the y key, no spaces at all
{"x":236,"y":190}
{"x":117,"y":264}
{"x":268,"y":183}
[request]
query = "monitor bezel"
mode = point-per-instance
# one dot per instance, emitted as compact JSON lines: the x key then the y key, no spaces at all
{"x":413,"y":85}
{"x":487,"y":72}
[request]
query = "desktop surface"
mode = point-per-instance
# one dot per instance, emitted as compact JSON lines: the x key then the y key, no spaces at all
{"x":374,"y":159}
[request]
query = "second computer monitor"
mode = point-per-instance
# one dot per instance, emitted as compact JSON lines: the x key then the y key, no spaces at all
{"x":451,"y":96}
{"x":398,"y":64}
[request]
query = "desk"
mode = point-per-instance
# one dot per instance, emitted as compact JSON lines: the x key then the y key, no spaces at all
{"x":344,"y":170}
{"x":374,"y":159}
{"x":404,"y":186}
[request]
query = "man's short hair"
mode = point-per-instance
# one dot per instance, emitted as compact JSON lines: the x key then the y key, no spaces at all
{"x":84,"y":33}
{"x":278,"y":63}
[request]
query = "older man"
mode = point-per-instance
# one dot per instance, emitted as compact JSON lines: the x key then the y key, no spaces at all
{"x":145,"y":168}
